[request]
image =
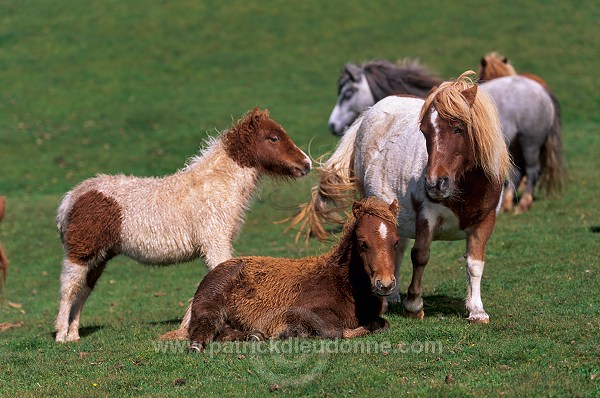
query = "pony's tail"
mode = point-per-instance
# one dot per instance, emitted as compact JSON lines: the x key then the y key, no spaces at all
{"x":335,"y":192}
{"x":553,"y":169}
{"x":3,"y":260}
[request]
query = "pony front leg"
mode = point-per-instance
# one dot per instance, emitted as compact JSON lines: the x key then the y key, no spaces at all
{"x":413,"y":303}
{"x":400,"y":250}
{"x":476,"y":241}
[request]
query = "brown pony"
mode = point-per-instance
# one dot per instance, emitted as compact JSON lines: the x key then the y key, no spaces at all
{"x":3,"y":260}
{"x":195,"y":212}
{"x":336,"y":295}
{"x":494,"y":65}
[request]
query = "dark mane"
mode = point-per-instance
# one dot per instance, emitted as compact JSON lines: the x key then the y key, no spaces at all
{"x":405,"y":77}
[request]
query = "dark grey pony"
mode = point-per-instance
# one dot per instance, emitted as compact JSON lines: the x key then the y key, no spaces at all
{"x":529,"y":116}
{"x":360,"y":87}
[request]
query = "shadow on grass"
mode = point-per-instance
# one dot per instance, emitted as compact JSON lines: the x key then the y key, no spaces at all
{"x":436,"y":305}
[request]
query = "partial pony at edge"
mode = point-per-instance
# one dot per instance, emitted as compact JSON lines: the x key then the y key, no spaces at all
{"x":3,"y":259}
{"x":335,"y":192}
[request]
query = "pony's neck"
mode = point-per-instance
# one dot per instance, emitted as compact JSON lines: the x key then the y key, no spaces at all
{"x":214,"y":164}
{"x":479,"y":196}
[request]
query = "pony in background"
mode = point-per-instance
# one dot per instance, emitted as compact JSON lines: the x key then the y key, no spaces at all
{"x":335,"y":295}
{"x":361,"y":86}
{"x":443,"y":159}
{"x":193,"y":213}
{"x":494,"y":65}
{"x":530,"y":119}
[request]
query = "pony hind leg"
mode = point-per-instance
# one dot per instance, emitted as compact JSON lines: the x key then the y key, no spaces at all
{"x":533,"y":168}
{"x":312,"y":322}
{"x":230,"y":334}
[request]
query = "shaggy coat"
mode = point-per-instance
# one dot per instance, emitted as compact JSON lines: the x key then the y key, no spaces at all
{"x":193,"y":213}
{"x":335,"y":295}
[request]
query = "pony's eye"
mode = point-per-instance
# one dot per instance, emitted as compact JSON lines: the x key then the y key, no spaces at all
{"x":458,"y":130}
{"x":364,"y":245}
{"x":273,"y":138}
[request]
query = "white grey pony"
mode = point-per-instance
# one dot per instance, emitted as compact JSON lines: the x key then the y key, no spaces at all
{"x":529,"y":117}
{"x":359,"y":87}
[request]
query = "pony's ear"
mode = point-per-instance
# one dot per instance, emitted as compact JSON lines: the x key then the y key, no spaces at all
{"x":483,"y":62}
{"x":394,"y":207}
{"x":470,"y":95}
{"x":256,"y":116}
{"x":433,"y":89}
{"x":357,"y":208}
{"x":353,"y":71}
{"x":505,"y":60}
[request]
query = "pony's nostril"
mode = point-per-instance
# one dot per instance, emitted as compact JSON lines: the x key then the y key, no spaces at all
{"x":443,"y":183}
{"x":378,"y":284}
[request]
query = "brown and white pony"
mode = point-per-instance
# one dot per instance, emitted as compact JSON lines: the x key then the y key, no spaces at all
{"x":3,"y":259}
{"x":445,"y":161}
{"x":494,"y":65}
{"x":193,"y":213}
{"x":335,"y":295}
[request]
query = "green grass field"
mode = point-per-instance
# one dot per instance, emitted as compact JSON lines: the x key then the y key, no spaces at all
{"x":135,"y":88}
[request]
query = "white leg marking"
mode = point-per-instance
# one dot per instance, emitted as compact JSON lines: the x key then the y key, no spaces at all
{"x":413,"y":306}
{"x":474,"y":303}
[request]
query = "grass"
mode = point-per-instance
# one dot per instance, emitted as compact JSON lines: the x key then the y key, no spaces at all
{"x":120,"y":87}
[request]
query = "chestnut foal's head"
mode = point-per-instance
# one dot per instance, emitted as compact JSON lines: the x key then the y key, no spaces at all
{"x":260,"y":142}
{"x":377,"y":237}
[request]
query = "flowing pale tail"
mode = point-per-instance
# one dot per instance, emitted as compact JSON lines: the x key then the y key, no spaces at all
{"x":553,"y":170}
{"x":335,"y":193}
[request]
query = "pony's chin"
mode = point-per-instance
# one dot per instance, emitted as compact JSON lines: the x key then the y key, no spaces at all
{"x":435,"y":194}
{"x":380,"y":293}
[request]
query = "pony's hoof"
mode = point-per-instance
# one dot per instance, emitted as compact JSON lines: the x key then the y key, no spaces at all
{"x":255,"y":336}
{"x":196,"y":348}
{"x":479,"y":318}
{"x":417,"y":315}
{"x":67,"y":338}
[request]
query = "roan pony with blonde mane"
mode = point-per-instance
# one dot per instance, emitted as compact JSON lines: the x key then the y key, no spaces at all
{"x":193,"y":213}
{"x":445,"y":161}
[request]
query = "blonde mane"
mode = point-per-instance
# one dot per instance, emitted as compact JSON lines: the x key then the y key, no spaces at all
{"x":481,"y":119}
{"x":494,"y":65}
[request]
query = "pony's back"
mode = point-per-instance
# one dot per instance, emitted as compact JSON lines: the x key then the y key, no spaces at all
{"x":523,"y":105}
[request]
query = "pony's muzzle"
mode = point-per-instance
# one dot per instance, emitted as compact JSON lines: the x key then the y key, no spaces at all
{"x":384,"y":287}
{"x":439,"y":188}
{"x":303,"y":169}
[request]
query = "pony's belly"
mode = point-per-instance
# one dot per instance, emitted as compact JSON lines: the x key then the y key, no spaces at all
{"x":443,"y":222}
{"x":154,"y":248}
